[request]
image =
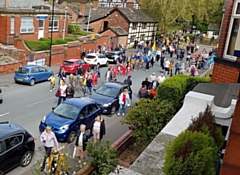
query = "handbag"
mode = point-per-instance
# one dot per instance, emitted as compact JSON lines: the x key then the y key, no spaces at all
{"x":58,"y":93}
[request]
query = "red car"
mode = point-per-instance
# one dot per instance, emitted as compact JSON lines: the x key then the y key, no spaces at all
{"x":71,"y":65}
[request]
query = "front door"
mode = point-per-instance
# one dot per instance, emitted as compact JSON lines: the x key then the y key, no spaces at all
{"x":40,"y":28}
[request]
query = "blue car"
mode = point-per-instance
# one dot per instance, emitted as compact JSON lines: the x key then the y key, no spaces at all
{"x":107,"y":96}
{"x":30,"y":74}
{"x":67,"y":117}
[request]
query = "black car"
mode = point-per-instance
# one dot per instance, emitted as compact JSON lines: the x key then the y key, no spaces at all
{"x":107,"y":96}
{"x":113,"y":56}
{"x":16,"y":146}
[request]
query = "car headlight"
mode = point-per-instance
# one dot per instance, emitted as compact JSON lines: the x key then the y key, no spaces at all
{"x":107,"y":104}
{"x":64,"y":127}
{"x":44,"y":119}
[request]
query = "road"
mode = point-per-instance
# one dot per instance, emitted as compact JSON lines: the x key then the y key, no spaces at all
{"x":26,"y":106}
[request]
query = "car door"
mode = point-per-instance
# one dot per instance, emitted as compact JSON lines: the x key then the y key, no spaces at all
{"x":43,"y":73}
{"x":35,"y":73}
{"x":82,"y":117}
{"x":13,"y":151}
{"x":101,"y":59}
{"x":93,"y":112}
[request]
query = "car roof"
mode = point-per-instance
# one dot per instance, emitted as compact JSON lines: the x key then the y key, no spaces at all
{"x":29,"y":66}
{"x":117,"y":51}
{"x":79,"y":101}
{"x":115,"y":84}
{"x":8,"y":129}
{"x":94,"y":54}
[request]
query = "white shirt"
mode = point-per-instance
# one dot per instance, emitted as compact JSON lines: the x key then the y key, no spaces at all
{"x":108,"y":74}
{"x":161,"y":79}
{"x":62,"y":90}
{"x":159,"y":52}
{"x":152,"y":78}
{"x":80,"y":140}
{"x":167,"y":63}
{"x":96,"y":127}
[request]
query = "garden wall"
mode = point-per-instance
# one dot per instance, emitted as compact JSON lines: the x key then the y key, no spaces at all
{"x":6,"y":68}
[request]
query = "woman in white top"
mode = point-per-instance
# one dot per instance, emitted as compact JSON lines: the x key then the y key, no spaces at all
{"x":98,"y":129}
{"x":62,"y":89}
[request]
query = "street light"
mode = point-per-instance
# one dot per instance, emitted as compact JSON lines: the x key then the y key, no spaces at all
{"x":89,"y":16}
{"x":50,"y":53}
{"x":65,"y":19}
{"x":193,"y":16}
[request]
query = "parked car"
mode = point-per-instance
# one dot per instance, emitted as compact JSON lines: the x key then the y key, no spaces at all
{"x":16,"y":146}
{"x":96,"y":59}
{"x":67,"y":117}
{"x":32,"y":74}
{"x":106,"y":96}
{"x":113,"y":56}
{"x":71,"y":65}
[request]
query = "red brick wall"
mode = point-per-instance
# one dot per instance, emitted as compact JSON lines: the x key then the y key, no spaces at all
{"x":224,"y":74}
{"x":123,"y":40}
{"x":109,"y":33}
{"x":73,"y":50}
{"x":3,"y":29}
{"x":115,"y":19}
{"x":9,"y":67}
{"x":224,"y":27}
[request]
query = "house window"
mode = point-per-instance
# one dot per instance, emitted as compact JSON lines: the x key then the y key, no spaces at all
{"x":55,"y":24}
{"x":12,"y":25}
{"x":132,"y":39}
{"x":142,"y":37}
{"x":105,"y":25}
{"x":144,"y":25}
{"x":134,"y":25}
{"x":216,"y":33}
{"x":26,"y":25}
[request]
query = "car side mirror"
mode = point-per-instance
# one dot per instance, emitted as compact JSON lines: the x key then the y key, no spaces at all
{"x":53,"y":108}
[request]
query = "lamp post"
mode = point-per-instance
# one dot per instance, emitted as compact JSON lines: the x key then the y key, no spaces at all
{"x":50,"y":53}
{"x":89,"y":16}
{"x":65,"y":20}
{"x":193,"y":16}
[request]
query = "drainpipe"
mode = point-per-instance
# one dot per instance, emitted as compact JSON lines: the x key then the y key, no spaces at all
{"x":6,"y":4}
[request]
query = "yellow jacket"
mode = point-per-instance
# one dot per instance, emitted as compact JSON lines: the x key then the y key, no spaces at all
{"x":60,"y":164}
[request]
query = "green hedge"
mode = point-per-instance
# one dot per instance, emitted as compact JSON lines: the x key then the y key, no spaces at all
{"x":44,"y":43}
{"x":175,"y":88}
{"x":82,"y":33}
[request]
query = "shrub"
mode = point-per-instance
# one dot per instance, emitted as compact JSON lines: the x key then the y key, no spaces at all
{"x":148,"y":117}
{"x":102,"y":156}
{"x":82,"y":33}
{"x":175,"y":88}
{"x":206,"y":120}
{"x":191,"y":153}
{"x":73,"y":28}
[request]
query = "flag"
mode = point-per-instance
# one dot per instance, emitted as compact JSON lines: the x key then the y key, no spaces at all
{"x":154,"y":47}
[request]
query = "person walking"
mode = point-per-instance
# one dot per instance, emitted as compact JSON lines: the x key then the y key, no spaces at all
{"x":129,"y":82}
{"x":98,"y":129}
{"x":81,"y":143}
{"x":162,"y":60}
{"x":69,"y":91}
{"x":109,"y":75}
{"x":62,"y":74}
{"x":52,"y":83}
{"x":49,"y":140}
{"x":123,"y":100}
{"x":177,"y":67}
{"x":89,"y":85}
{"x":62,"y":89}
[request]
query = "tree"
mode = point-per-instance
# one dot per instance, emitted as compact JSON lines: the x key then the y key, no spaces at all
{"x":148,"y":117}
{"x":191,"y":153}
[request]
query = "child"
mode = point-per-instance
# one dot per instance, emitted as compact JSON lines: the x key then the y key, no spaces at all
{"x":52,"y":83}
{"x":95,"y":79}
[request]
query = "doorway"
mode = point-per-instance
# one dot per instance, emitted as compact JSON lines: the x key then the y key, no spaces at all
{"x":40,"y":28}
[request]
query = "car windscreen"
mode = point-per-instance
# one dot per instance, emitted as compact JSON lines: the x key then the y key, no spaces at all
{"x":90,"y":56}
{"x":66,"y":111}
{"x":22,"y":70}
{"x":67,"y":63}
{"x":107,"y":91}
{"x":111,"y":53}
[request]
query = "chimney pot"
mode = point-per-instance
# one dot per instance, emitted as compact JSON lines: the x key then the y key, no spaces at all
{"x":6,"y":4}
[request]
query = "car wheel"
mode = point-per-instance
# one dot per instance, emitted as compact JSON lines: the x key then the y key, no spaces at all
{"x":26,"y":159}
{"x":71,"y":136}
{"x":107,"y":64}
{"x":32,"y":82}
{"x":113,"y":109}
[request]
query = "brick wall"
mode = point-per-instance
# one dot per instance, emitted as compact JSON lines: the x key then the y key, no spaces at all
{"x":9,"y":67}
{"x":225,"y":26}
{"x":115,"y":19}
{"x":224,"y":74}
{"x":3,"y":29}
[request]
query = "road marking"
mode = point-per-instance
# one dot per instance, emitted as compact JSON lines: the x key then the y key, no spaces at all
{"x":39,"y":102}
{"x":4,"y":114}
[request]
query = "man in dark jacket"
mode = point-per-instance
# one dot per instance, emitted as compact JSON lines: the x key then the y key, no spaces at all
{"x":142,"y":92}
{"x":80,"y":70}
{"x":146,"y":83}
{"x":70,"y":91}
{"x":129,"y":82}
{"x":81,"y":142}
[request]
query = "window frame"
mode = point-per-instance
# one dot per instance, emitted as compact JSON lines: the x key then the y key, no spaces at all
{"x":134,"y":25}
{"x":12,"y":25}
{"x":55,"y":28}
{"x":132,"y":36}
{"x":144,"y":25}
{"x":4,"y":144}
{"x":28,"y":28}
{"x":227,"y":43}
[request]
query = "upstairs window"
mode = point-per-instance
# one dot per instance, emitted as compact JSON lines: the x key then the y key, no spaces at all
{"x":134,"y":25}
{"x":144,"y":25}
{"x":55,"y":24}
{"x":26,"y":25}
{"x":12,"y":25}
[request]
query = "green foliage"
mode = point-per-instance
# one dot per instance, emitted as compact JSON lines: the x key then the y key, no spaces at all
{"x":73,"y":28}
{"x":82,"y":33}
{"x":206,"y":121}
{"x":191,"y":153}
{"x":102,"y":156}
{"x":44,"y":43}
{"x":148,"y":117}
{"x":174,"y":89}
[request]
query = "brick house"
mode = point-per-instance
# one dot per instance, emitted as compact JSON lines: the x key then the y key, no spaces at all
{"x":29,"y":19}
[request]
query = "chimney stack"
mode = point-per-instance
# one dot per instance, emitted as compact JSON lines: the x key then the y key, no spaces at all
{"x":82,"y":8}
{"x":130,"y":4}
{"x":6,"y":4}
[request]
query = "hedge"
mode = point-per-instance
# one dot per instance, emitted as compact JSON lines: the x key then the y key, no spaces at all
{"x":44,"y":43}
{"x":175,"y":88}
